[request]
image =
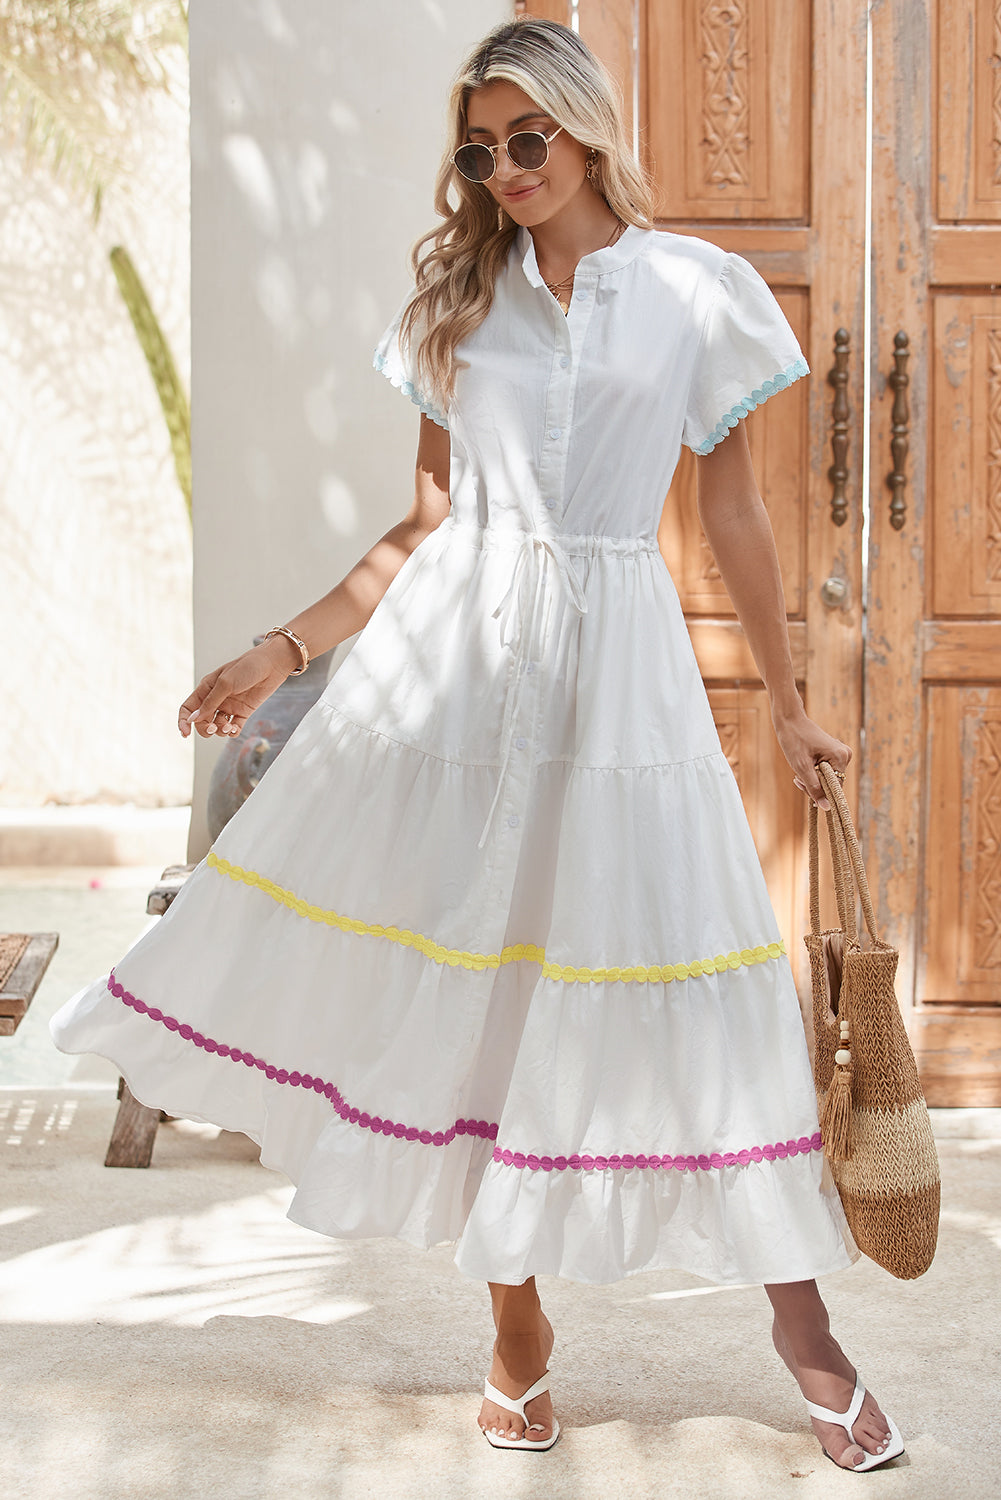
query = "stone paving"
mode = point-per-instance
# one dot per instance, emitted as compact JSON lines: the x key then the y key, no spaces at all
{"x":169,"y":1334}
{"x":98,"y":911}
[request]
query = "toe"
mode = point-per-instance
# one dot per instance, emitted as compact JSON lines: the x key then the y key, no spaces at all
{"x":871,"y":1431}
{"x":502,"y":1426}
{"x":847,"y":1454}
{"x":540,"y":1417}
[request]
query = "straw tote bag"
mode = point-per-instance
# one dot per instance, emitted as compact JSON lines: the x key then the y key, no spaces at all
{"x":873,"y":1118}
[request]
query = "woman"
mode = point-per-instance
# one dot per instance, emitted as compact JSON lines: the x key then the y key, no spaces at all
{"x":488,"y":957}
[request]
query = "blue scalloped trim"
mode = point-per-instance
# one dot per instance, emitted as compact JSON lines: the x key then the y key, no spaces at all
{"x":798,"y":368}
{"x":408,"y":388}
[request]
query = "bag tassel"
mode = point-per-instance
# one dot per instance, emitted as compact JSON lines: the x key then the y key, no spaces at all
{"x":836,"y":1121}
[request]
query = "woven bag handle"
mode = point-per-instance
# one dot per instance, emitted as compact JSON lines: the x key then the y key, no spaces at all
{"x":850,"y":849}
{"x":844,"y":888}
{"x":814,"y":871}
{"x":843,"y":872}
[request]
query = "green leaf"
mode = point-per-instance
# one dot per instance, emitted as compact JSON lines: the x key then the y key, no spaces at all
{"x":162,"y":368}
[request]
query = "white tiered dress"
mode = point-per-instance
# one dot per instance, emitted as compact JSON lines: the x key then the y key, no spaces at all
{"x":487,"y":956}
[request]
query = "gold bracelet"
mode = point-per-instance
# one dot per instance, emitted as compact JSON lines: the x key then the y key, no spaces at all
{"x":291,"y":635}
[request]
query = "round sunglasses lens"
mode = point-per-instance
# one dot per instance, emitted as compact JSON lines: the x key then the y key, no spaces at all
{"x":528,"y":150}
{"x":474,"y":162}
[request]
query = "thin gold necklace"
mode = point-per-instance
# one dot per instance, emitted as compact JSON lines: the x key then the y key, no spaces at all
{"x":559,"y":286}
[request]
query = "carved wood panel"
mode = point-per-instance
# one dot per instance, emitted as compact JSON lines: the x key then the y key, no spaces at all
{"x":932,"y":806}
{"x":968,"y":110}
{"x":727,"y":118}
{"x":752,"y":115}
{"x":962,"y":919}
{"x":966,"y":430}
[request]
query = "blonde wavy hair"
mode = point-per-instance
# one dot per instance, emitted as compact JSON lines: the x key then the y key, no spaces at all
{"x":456,"y":264}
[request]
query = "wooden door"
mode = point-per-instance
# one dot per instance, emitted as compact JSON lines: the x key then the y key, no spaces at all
{"x":932,"y":789}
{"x":751,"y":117}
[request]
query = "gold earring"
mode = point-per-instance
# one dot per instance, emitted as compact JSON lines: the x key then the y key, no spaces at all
{"x":592,"y":158}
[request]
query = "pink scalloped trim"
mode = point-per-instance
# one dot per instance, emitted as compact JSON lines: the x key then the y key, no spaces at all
{"x":481,"y":1128}
{"x":348,"y":1112}
{"x":778,"y":1152}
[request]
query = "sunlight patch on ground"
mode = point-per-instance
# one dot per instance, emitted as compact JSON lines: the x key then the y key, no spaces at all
{"x":974,"y":1221}
{"x":9,"y":1216}
{"x":24,"y":1119}
{"x":696,"y":1291}
{"x":240,"y":1258}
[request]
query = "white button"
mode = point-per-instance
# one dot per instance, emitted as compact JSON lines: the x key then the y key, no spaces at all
{"x":530,"y":668}
{"x":582,"y":296}
{"x":550,"y":504}
{"x":512,"y":821}
{"x":554,"y":433}
{"x":564,"y":361}
{"x":520,"y":742}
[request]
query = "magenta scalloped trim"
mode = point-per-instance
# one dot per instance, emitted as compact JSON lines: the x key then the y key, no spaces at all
{"x":481,"y":1128}
{"x":348,"y":1112}
{"x":778,"y":1152}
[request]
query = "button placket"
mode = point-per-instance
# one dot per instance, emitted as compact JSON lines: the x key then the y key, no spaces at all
{"x":556,"y":431}
{"x":516,"y":773}
{"x":582,"y":306}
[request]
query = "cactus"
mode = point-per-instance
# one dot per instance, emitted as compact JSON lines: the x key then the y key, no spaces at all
{"x":69,"y":72}
{"x":173,"y":398}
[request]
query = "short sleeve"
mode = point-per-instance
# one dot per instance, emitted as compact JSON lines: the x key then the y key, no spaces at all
{"x":398,"y":363}
{"x":747,"y":352}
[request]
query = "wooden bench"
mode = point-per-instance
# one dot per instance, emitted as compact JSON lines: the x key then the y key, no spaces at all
{"x":24,"y":958}
{"x":134,"y":1131}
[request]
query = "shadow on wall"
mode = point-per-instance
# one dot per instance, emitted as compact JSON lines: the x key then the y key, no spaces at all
{"x":316,"y":134}
{"x":95,"y":551}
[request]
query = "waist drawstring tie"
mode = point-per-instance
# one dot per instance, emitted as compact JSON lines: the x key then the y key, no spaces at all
{"x":535,"y":557}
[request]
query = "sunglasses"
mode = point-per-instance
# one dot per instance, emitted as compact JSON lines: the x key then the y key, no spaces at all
{"x":527,"y":149}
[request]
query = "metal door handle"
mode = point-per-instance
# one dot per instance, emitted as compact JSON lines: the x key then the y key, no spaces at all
{"x":837,"y":376}
{"x":834,"y":592}
{"x":899,"y":381}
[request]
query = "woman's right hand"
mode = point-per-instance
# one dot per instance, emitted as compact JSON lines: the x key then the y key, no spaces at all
{"x":224,"y":699}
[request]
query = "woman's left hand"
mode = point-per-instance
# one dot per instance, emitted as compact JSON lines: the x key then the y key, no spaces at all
{"x":803,"y":743}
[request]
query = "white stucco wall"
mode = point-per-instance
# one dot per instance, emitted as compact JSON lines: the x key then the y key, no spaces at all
{"x":316,"y":132}
{"x":95,"y":545}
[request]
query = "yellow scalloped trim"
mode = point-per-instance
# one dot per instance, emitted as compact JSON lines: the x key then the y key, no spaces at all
{"x":516,"y":953}
{"x":665,"y":973}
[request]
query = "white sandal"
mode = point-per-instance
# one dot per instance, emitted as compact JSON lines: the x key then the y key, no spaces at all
{"x":847,"y":1420}
{"x":517,"y":1408}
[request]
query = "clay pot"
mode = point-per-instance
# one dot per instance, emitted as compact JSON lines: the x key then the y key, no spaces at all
{"x":245,"y":758}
